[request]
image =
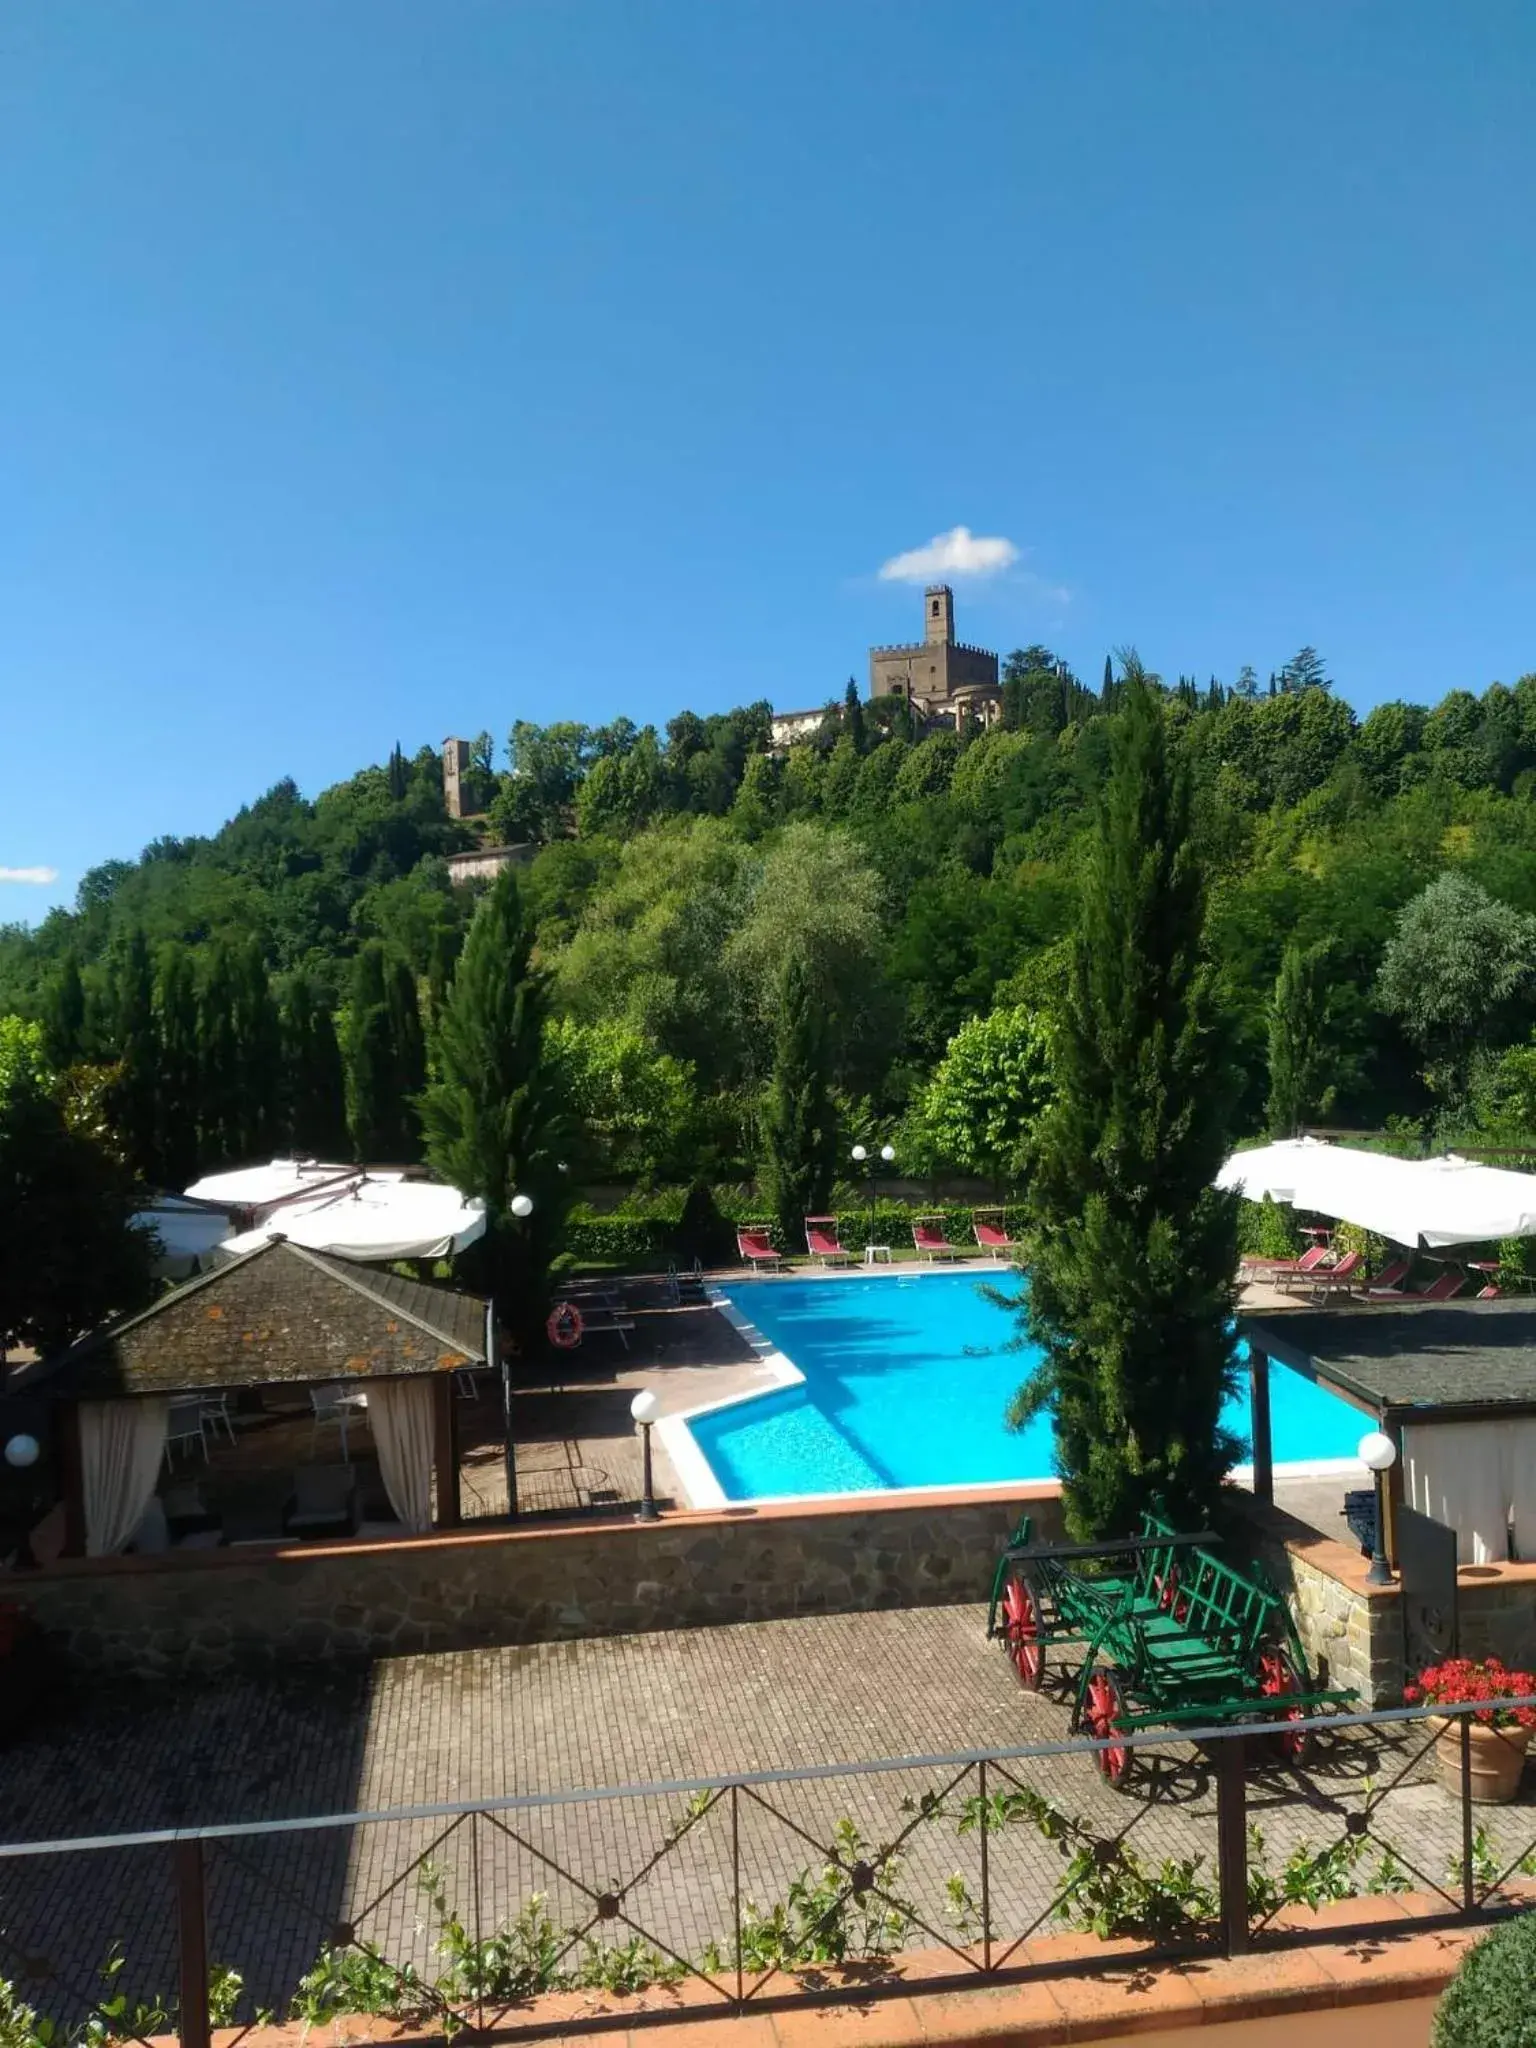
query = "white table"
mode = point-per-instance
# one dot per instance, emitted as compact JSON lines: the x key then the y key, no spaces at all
{"x":877,"y":1255}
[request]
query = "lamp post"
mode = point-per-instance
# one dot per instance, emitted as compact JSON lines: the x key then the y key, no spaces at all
{"x":1378,"y":1454}
{"x":522,"y":1208}
{"x":864,"y":1160}
{"x":643,"y":1408}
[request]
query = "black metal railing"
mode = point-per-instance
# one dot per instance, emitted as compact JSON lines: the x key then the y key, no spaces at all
{"x":767,"y":1887}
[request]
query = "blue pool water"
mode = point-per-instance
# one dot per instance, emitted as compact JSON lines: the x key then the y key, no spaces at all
{"x":906,"y":1381}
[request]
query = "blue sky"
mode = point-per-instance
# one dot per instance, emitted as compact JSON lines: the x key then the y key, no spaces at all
{"x":373,"y":371}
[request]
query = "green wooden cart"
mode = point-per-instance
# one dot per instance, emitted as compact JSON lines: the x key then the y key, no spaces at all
{"x":1163,"y":1633}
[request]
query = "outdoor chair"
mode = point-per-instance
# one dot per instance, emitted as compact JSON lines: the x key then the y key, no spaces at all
{"x":185,"y":1425}
{"x":1445,"y":1288}
{"x":338,"y":1404}
{"x":216,"y":1416}
{"x":323,"y":1502}
{"x":821,"y":1241}
{"x":1341,"y":1278}
{"x":1285,"y":1273}
{"x":991,"y":1237}
{"x":756,"y":1248}
{"x":928,"y":1237}
{"x":1387,"y":1285}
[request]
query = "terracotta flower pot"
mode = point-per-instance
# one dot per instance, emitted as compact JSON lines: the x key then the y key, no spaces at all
{"x":1497,"y":1758}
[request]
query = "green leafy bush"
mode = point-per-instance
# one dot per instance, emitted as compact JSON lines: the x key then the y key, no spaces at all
{"x":1491,"y":2000}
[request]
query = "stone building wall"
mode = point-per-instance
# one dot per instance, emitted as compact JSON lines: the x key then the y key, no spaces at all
{"x":1352,"y":1632}
{"x":211,"y":1611}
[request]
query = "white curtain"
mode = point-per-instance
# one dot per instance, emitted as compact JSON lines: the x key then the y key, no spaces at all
{"x":1520,"y":1436}
{"x":121,"y":1445}
{"x":401,"y":1414}
{"x":1463,"y":1473}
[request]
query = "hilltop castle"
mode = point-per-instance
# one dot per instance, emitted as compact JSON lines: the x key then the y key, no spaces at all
{"x":940,"y":677}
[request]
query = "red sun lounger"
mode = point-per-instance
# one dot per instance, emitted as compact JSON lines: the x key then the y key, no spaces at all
{"x":990,"y":1238}
{"x":756,"y":1249}
{"x":821,"y":1241}
{"x":931,"y":1241}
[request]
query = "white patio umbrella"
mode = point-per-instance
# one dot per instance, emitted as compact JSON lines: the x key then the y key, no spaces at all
{"x":1433,"y":1202}
{"x":374,"y":1220}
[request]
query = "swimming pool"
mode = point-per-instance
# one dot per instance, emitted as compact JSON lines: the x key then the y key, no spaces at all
{"x":902,"y":1381}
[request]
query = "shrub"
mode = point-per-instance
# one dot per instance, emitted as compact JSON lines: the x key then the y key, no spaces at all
{"x":1491,"y":2000}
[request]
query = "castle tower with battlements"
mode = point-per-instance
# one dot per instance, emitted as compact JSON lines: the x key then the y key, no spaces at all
{"x":940,"y":676}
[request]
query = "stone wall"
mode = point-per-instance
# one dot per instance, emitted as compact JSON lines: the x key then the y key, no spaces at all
{"x":1496,"y":1613}
{"x":211,"y":1611}
{"x":1352,"y":1632}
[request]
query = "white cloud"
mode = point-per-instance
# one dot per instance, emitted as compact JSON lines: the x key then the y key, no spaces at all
{"x":956,"y":553}
{"x":41,"y":876}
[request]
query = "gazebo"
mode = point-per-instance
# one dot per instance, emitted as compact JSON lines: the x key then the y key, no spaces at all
{"x":280,"y":1316}
{"x":1453,"y":1385}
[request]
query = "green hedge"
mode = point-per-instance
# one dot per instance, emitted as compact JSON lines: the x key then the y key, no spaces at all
{"x":647,"y":1234}
{"x":1491,"y":2000}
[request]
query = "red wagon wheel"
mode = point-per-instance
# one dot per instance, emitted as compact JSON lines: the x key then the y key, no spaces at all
{"x":1024,"y":1632}
{"x":1102,"y":1712}
{"x":1279,"y":1677}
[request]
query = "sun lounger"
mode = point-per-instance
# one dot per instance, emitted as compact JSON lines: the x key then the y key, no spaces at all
{"x":756,"y":1248}
{"x":821,"y":1241}
{"x":1342,"y":1278}
{"x":929,"y":1239}
{"x":990,"y":1237}
{"x":1285,"y":1274}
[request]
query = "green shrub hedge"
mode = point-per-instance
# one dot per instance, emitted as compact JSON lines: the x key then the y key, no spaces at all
{"x":1491,"y":2000}
{"x":650,"y":1231}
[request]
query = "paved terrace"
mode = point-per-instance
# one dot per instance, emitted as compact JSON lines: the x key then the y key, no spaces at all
{"x":609,"y":1712}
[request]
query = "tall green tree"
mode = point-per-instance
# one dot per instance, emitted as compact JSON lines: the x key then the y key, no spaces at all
{"x":853,"y":716}
{"x":136,"y":1090}
{"x":222,"y":1115}
{"x":314,"y":1093}
{"x":259,"y":1033}
{"x":70,"y":1255}
{"x":1131,"y":1248}
{"x":410,"y":1055}
{"x":375,"y":1114}
{"x":1299,"y":1062}
{"x":64,"y":1015}
{"x":180,"y":1071}
{"x":494,"y":1118}
{"x":799,"y":1115}
{"x":1458,"y":972}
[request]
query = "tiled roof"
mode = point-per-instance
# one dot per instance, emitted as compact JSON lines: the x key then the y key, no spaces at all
{"x":1448,"y":1355}
{"x":279,"y":1313}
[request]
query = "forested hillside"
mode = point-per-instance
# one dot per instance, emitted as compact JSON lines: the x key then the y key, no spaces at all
{"x":922,"y":884}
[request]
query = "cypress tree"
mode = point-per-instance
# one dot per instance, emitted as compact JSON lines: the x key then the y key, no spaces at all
{"x":1298,"y":1059}
{"x":222,"y":1117}
{"x":445,"y":953}
{"x":261,"y":1054}
{"x":314,"y":1102}
{"x":64,"y":1015}
{"x":410,"y":1054}
{"x":853,"y":715}
{"x":176,"y":1033}
{"x":1131,"y":1249}
{"x":799,"y":1121}
{"x":372,"y":1074}
{"x":1107,"y":694}
{"x":493,"y":1119}
{"x":398,"y":777}
{"x":136,"y":1093}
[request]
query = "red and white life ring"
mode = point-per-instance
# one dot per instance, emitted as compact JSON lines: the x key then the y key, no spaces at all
{"x":565,"y":1326}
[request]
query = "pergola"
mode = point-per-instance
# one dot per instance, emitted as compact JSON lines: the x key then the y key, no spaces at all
{"x":1453,"y":1385}
{"x":280,"y":1315}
